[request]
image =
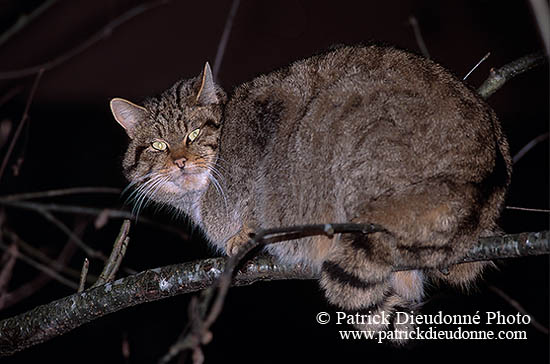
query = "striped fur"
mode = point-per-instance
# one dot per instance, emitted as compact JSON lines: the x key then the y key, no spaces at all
{"x":367,"y":134}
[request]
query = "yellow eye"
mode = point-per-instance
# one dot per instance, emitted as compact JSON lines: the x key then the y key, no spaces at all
{"x":193,"y":135}
{"x":159,"y":145}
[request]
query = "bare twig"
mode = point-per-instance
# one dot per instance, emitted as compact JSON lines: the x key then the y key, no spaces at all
{"x":515,"y":304}
{"x":526,"y":209}
{"x":22,"y":122}
{"x":24,"y":20}
{"x":529,"y":146}
{"x":105,"y":32}
{"x":83,"y":275}
{"x":225,"y":38}
{"x":499,"y":77}
{"x":43,"y":268}
{"x":92,"y":253}
{"x":418,"y":36}
{"x":10,"y":94}
{"x":119,"y":249}
{"x":36,"y":254}
{"x":29,"y":288}
{"x":83,"y":210}
{"x":7,"y":263}
{"x":60,"y":192}
{"x":5,"y":131}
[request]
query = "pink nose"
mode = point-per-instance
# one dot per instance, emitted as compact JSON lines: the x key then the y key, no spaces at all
{"x":180,"y":162}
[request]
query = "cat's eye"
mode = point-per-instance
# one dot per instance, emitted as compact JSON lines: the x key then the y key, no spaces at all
{"x":193,"y":135}
{"x":159,"y":145}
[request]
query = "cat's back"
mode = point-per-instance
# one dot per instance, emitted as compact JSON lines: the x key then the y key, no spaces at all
{"x":403,"y":114}
{"x":326,"y":137}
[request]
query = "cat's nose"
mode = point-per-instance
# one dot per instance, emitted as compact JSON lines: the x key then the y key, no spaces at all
{"x":180,"y":162}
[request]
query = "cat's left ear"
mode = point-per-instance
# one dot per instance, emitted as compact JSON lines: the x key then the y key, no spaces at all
{"x":207,"y":91}
{"x":127,"y":114}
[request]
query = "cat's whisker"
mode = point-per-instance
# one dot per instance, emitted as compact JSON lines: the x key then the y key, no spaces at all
{"x":218,"y":188}
{"x":136,"y":191}
{"x":139,"y":200}
{"x":219,"y":161}
{"x":218,"y":173}
{"x":212,"y":173}
{"x":134,"y":182}
{"x":141,"y":196}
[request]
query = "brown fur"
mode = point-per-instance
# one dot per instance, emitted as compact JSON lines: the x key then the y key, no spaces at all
{"x":363,"y":134}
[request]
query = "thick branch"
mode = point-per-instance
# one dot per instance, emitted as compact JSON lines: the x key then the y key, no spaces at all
{"x":61,"y":316}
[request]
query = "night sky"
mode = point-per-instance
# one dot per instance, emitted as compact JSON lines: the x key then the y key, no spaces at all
{"x":70,"y":140}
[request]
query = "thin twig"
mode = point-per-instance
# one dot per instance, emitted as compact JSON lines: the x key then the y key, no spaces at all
{"x":83,"y":210}
{"x":105,"y":32}
{"x":7,"y":262}
{"x":83,"y":275}
{"x":225,"y":38}
{"x":515,"y":304}
{"x":529,"y":146}
{"x":119,"y":249}
{"x":418,"y":36}
{"x":60,"y":192}
{"x":25,"y":20}
{"x":22,"y":122}
{"x":526,"y":209}
{"x":477,"y":65}
{"x":43,"y":268}
{"x":10,"y":94}
{"x":36,"y":254}
{"x":77,"y":240}
{"x":497,"y":78}
{"x":29,"y":288}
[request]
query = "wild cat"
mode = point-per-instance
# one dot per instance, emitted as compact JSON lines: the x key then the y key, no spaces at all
{"x":364,"y":134}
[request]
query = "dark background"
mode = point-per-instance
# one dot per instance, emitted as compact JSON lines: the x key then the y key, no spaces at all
{"x":71,"y":140}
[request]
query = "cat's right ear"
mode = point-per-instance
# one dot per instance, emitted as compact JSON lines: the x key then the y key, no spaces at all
{"x":207,"y":91}
{"x":127,"y":114}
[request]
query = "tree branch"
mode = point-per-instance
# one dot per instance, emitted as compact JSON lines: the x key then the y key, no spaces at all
{"x":25,"y":20}
{"x":497,"y":78}
{"x":101,"y":213}
{"x":59,"y":317}
{"x":22,"y":122}
{"x":105,"y":32}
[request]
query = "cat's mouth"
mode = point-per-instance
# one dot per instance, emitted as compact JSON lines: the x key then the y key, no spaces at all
{"x":185,"y":180}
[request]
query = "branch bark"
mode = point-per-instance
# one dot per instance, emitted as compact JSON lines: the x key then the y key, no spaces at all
{"x":59,"y":317}
{"x":497,"y":78}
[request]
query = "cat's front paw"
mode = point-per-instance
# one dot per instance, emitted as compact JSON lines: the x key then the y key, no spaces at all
{"x":238,"y":240}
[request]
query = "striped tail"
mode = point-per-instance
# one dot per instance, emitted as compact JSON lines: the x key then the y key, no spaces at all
{"x":358,"y":280}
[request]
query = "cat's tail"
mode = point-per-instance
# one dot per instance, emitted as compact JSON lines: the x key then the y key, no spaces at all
{"x":372,"y":297}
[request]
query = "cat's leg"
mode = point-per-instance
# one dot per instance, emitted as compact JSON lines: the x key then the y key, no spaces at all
{"x":239,"y":239}
{"x":462,"y":275}
{"x":428,"y":227}
{"x":357,"y":277}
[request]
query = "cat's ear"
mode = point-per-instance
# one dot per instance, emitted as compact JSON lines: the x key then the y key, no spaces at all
{"x":127,"y":114}
{"x":207,"y":91}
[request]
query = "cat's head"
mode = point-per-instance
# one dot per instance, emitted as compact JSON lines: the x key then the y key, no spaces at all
{"x":174,"y":139}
